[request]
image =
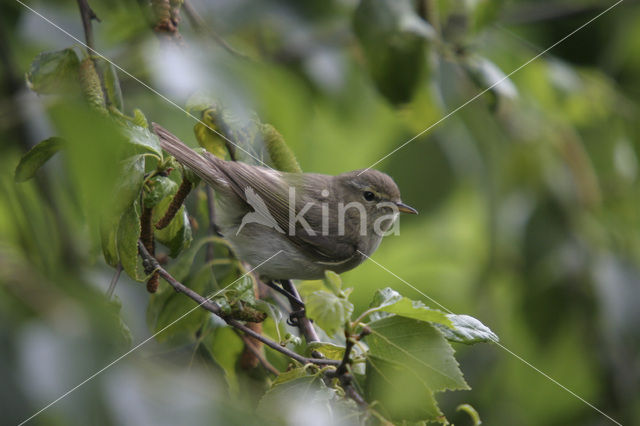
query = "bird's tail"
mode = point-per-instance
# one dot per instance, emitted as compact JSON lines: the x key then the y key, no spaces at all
{"x":206,"y":166}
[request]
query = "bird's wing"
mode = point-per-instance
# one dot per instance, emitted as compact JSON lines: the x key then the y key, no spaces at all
{"x":272,"y":189}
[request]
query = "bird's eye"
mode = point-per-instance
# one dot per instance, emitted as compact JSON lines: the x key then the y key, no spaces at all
{"x":369,"y":196}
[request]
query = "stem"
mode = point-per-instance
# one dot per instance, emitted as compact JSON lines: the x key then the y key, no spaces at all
{"x":114,"y":281}
{"x":208,"y":305}
{"x":87,"y":14}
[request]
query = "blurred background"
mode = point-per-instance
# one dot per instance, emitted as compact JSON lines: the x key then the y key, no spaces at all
{"x":529,"y":196}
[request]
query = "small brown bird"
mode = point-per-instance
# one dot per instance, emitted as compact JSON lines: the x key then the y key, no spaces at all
{"x":314,"y":222}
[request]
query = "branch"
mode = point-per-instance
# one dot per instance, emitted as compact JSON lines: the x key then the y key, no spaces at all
{"x":87,"y":14}
{"x":343,"y":374}
{"x":205,"y":303}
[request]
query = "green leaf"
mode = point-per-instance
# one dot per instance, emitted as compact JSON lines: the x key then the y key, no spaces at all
{"x":385,"y":297}
{"x":159,"y":189}
{"x":112,"y":85}
{"x":485,"y":74}
{"x":177,"y":235}
{"x":309,"y":390}
{"x":467,"y":329}
{"x":242,"y":290}
{"x":108,"y":241}
{"x":329,"y":311}
{"x":127,"y":190}
{"x":389,"y":300}
{"x":394,"y":40}
{"x":333,"y":282}
{"x":225,"y":348}
{"x":36,"y":157}
{"x":127,"y":242}
{"x":181,"y":267}
{"x":114,"y":308}
{"x":408,"y":361}
{"x":53,"y":72}
{"x":329,"y":350}
{"x":142,"y":139}
{"x":294,"y":373}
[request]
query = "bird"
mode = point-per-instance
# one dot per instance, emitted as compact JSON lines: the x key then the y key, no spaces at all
{"x":294,"y":225}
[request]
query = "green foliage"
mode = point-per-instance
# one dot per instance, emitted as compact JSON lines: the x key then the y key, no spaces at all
{"x":466,"y":329}
{"x":408,"y":362}
{"x":112,"y":86}
{"x":389,"y":300}
{"x":127,"y":242}
{"x":528,"y":201}
{"x":53,"y":72}
{"x":394,"y":40}
{"x":328,"y":310}
{"x":36,"y":157}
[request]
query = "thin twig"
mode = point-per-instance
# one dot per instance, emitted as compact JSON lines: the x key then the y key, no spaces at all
{"x":212,"y":307}
{"x":201,"y":26}
{"x":87,"y":14}
{"x":114,"y":281}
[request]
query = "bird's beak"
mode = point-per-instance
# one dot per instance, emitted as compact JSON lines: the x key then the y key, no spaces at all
{"x":405,"y":208}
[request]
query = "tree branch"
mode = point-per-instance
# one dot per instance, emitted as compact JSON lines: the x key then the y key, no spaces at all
{"x":205,"y":303}
{"x":87,"y":14}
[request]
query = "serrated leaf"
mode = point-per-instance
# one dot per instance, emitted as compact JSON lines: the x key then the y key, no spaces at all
{"x":401,"y":393}
{"x":53,"y":72}
{"x":112,"y":85}
{"x":127,"y":242}
{"x":406,"y":354}
{"x":333,"y":282}
{"x":142,"y":139}
{"x":36,"y":157}
{"x":389,"y":300}
{"x":468,"y":330}
{"x":385,"y":297}
{"x":329,"y":311}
